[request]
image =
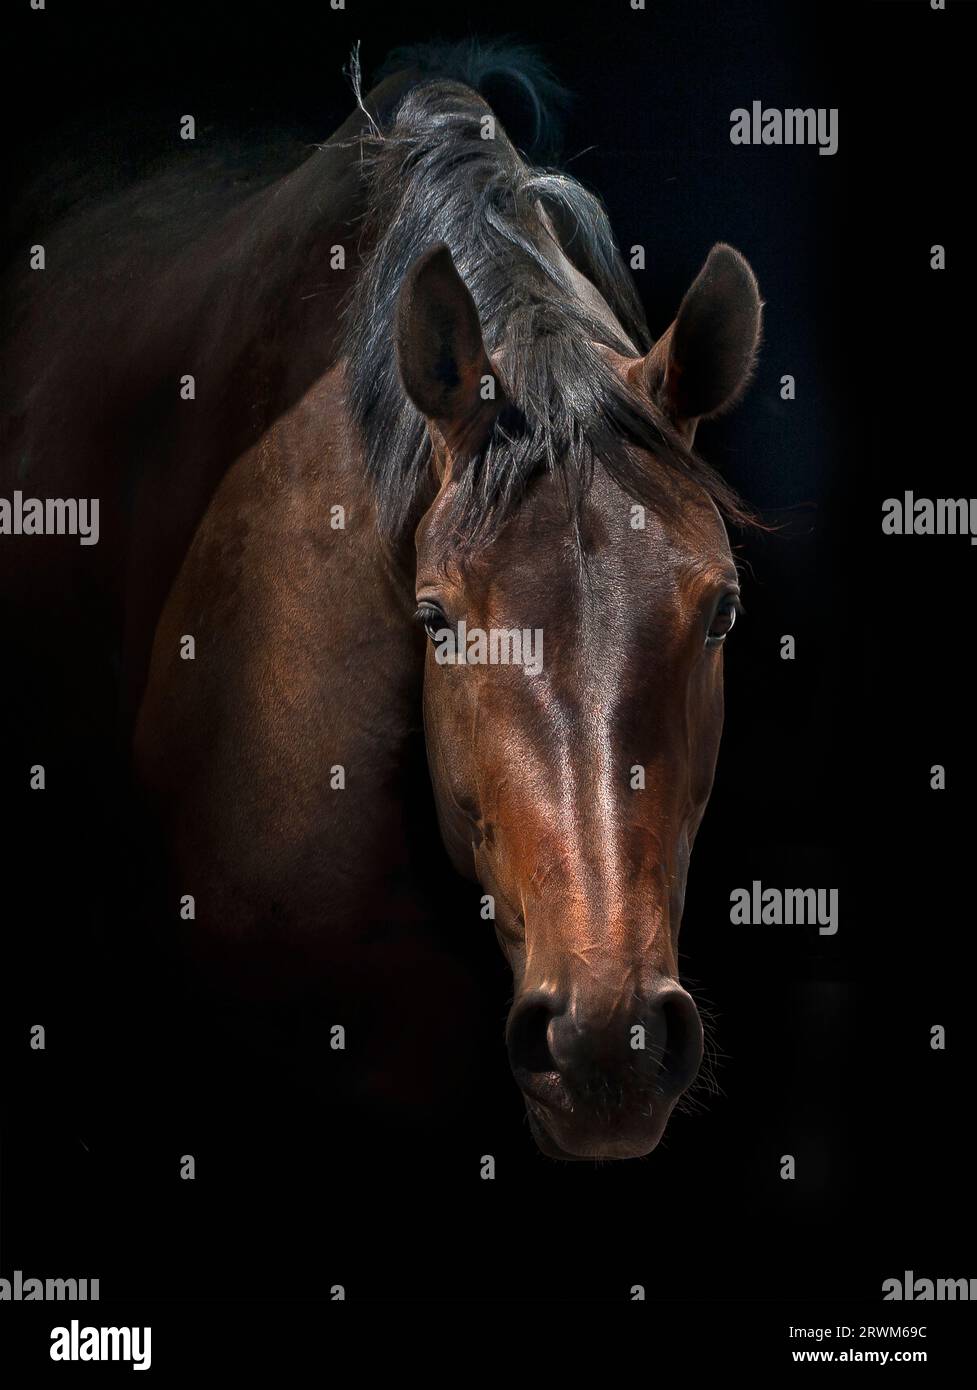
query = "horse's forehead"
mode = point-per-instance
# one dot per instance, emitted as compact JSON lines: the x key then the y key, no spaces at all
{"x":635,"y":542}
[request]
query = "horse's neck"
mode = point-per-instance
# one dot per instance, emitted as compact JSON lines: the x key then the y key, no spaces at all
{"x":280,"y":755}
{"x":285,"y":765}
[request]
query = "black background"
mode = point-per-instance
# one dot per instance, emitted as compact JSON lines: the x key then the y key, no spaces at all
{"x":824,"y":773}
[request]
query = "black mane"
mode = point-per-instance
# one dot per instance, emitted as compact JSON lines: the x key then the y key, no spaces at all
{"x":432,"y":177}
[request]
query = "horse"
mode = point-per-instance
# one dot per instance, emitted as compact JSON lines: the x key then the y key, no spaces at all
{"x":427,"y":403}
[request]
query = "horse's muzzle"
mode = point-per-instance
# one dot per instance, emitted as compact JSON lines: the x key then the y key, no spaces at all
{"x":600,"y":1081}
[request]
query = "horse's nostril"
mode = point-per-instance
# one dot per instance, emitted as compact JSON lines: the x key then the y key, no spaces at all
{"x":593,"y":1050}
{"x":683,"y":1042}
{"x":527,"y":1035}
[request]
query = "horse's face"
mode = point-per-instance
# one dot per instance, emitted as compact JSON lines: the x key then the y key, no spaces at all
{"x":575,"y":790}
{"x":571,"y":781}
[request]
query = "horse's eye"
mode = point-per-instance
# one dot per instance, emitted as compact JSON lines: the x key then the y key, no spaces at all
{"x":723,"y":621}
{"x":431,"y":618}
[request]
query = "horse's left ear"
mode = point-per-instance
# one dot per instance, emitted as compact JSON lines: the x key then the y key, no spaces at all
{"x":703,"y":362}
{"x":441,"y":354}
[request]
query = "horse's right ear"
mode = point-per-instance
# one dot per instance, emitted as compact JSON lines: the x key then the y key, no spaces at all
{"x":443,"y":363}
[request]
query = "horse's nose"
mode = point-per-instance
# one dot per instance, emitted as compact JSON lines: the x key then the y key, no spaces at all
{"x":599,"y":1050}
